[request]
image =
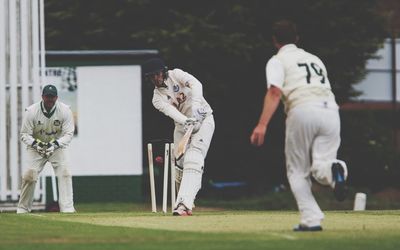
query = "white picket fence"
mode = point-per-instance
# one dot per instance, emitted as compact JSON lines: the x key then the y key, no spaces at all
{"x":22,"y":63}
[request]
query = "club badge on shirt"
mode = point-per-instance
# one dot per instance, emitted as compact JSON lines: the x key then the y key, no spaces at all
{"x":56,"y":123}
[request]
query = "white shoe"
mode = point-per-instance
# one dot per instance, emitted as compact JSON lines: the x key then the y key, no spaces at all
{"x":182,"y":210}
{"x":68,"y":210}
{"x":22,"y":211}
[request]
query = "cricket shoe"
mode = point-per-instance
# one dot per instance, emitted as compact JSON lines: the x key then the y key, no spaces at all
{"x":22,"y":211}
{"x":182,"y":210}
{"x":340,"y":189}
{"x":304,"y":228}
{"x":68,"y":211}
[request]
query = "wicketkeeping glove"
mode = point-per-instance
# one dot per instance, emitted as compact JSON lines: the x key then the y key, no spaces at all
{"x":51,"y":146}
{"x":39,"y":146}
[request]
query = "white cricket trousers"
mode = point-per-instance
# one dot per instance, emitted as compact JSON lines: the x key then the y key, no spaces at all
{"x":36,"y":164}
{"x":193,"y":160}
{"x":312,"y":141}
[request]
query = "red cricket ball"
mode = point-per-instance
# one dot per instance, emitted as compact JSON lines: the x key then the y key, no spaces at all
{"x":159,"y":160}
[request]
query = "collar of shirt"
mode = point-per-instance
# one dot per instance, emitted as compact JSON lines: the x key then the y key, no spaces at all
{"x":51,"y":112}
{"x":287,"y":47}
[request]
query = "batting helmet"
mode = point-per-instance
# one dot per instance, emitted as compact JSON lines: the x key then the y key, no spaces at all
{"x":153,"y":66}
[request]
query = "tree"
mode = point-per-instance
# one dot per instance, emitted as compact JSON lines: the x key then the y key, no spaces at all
{"x":226,"y":45}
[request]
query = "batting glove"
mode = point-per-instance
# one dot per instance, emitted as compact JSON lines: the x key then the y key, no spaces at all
{"x":190,"y":122}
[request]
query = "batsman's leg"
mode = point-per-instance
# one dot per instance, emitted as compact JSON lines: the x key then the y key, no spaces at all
{"x":193,"y":165}
{"x":178,"y":134}
{"x":191,"y":178}
{"x":178,"y":175}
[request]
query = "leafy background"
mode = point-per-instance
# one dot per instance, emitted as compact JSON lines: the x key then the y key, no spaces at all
{"x":226,"y":44}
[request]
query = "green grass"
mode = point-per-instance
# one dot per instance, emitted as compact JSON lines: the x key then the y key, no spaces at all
{"x":388,"y":199}
{"x":131,"y":226}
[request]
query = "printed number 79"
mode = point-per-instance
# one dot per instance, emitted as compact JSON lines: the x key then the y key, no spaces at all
{"x":316,"y":69}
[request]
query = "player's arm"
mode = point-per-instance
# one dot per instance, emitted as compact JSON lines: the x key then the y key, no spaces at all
{"x":271,"y":102}
{"x":68,"y":128}
{"x":275,"y":78}
{"x":191,"y":82}
{"x":26,"y":132}
{"x":195,"y":85}
{"x":168,"y":109}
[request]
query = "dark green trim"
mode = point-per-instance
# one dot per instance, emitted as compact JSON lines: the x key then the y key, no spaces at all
{"x":97,"y":57}
{"x":48,"y":115}
{"x":124,"y":188}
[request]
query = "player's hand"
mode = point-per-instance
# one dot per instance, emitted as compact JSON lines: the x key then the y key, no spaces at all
{"x":51,"y":146}
{"x":192,"y":122}
{"x":188,"y":123}
{"x":257,"y":137}
{"x":39,"y":146}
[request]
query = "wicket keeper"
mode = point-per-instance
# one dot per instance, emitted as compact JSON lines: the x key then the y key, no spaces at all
{"x":47,"y":130}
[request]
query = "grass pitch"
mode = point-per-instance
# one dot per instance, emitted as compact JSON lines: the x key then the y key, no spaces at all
{"x":205,"y":230}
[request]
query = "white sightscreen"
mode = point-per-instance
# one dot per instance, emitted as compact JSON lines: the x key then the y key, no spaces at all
{"x":109,"y":121}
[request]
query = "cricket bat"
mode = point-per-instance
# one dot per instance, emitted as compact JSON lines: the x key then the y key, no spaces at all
{"x":182,"y":145}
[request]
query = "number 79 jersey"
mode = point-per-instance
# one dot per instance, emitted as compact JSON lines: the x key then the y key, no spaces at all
{"x":301,"y":76}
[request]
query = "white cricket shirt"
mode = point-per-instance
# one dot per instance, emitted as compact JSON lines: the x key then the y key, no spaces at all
{"x":58,"y":124}
{"x":301,"y":76}
{"x":182,"y":96}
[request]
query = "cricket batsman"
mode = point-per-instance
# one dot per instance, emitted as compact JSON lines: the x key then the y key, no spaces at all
{"x":179,"y":95}
{"x":47,"y":129}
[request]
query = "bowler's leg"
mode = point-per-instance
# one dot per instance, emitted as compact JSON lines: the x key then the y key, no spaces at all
{"x":300,"y":131}
{"x":325,"y":147}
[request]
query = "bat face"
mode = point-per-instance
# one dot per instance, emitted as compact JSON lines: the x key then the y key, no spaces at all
{"x":181,"y":149}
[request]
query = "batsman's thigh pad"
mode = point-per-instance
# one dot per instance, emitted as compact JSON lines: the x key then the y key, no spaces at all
{"x":194,"y":160}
